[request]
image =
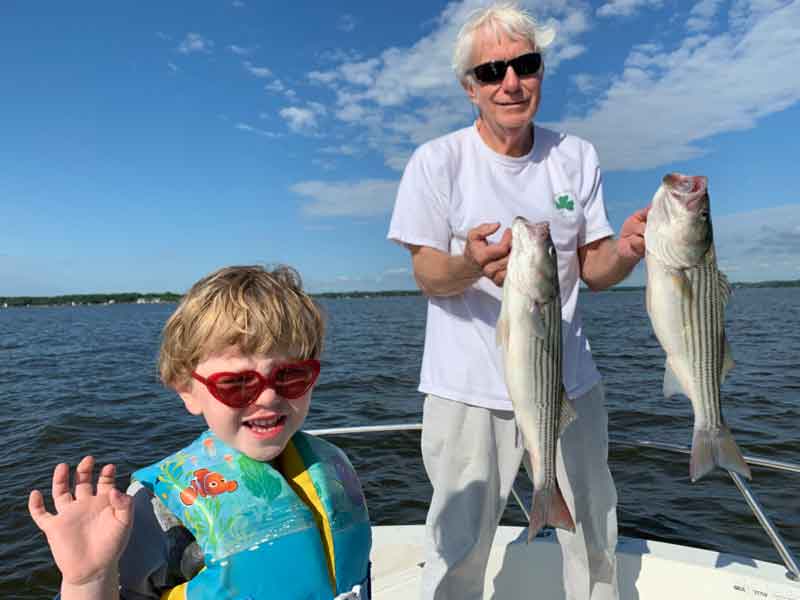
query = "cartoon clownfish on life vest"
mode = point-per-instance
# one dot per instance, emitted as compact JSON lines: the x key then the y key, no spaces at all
{"x":206,"y":483}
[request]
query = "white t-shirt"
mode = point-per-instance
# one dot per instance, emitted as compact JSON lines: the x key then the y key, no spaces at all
{"x":456,"y":182}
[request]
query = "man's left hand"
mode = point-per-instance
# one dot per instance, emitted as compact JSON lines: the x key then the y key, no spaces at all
{"x":631,"y":236}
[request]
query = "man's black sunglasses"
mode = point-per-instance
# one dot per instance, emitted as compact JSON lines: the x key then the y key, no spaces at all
{"x":494,"y":71}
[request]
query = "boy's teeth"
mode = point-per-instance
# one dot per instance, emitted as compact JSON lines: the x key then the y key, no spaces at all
{"x":264,"y":422}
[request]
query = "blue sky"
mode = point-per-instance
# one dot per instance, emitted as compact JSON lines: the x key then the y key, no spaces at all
{"x":146,"y":144}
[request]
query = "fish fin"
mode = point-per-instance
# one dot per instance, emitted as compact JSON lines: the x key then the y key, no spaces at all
{"x":727,"y":359}
{"x":501,"y":329}
{"x":568,"y":414}
{"x":716,"y":447}
{"x":725,"y":289}
{"x":560,"y":516}
{"x":672,"y":386}
{"x":549,"y":508}
{"x":540,"y":507}
{"x":539,"y":329}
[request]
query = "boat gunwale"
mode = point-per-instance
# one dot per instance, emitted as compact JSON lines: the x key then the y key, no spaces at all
{"x":789,"y":561}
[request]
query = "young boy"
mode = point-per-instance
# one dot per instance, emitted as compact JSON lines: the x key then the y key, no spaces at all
{"x":253,"y":508}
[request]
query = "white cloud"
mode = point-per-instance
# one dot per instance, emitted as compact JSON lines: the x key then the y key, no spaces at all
{"x":340,"y":55}
{"x":625,"y":8}
{"x":303,"y":119}
{"x":758,"y":245}
{"x":238,"y":4}
{"x":322,"y":77}
{"x":744,"y":13}
{"x":277,"y":86}
{"x":346,"y":23}
{"x":405,"y":96}
{"x":665,"y":105}
{"x":260,"y":72}
{"x":342,"y":150}
{"x":324,"y":164}
{"x":367,"y":198}
{"x":395,"y":273}
{"x":360,"y":74}
{"x":704,"y":87}
{"x":586,"y":83}
{"x":702,"y":15}
{"x":241,"y":50}
{"x":400,"y":278}
{"x":172,"y":67}
{"x":194,"y":42}
{"x":256,"y":130}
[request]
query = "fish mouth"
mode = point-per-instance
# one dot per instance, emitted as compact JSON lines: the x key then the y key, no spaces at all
{"x":689,"y":190}
{"x":538,"y":231}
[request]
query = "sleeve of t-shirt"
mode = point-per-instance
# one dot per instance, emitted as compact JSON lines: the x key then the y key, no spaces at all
{"x":420,"y":215}
{"x":595,"y":217}
{"x":161,"y":552}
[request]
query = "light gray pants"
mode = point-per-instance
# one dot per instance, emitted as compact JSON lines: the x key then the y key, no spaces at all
{"x":472,"y":456}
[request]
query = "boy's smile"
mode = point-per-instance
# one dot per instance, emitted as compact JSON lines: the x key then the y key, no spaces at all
{"x":260,"y":430}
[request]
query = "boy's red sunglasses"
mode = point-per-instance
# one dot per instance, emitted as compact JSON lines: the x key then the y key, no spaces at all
{"x":240,"y":389}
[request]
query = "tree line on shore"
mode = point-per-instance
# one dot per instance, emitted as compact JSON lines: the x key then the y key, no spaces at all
{"x":156,"y":298}
{"x":76,"y":299}
{"x":166,"y":297}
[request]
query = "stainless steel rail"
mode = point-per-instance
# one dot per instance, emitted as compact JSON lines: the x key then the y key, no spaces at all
{"x":793,"y":572}
{"x":783,"y":550}
{"x":752,"y":460}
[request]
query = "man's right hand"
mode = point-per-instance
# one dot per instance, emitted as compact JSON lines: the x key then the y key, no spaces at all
{"x":491,"y":260}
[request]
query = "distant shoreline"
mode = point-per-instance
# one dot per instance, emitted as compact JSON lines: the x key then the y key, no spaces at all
{"x":172,"y":298}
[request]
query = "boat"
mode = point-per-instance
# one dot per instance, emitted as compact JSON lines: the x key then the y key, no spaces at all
{"x":647,"y":569}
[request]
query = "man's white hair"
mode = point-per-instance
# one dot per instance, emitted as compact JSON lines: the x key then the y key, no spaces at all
{"x":500,"y":18}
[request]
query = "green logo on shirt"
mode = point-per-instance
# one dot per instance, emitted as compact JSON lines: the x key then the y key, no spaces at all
{"x":563,"y":202}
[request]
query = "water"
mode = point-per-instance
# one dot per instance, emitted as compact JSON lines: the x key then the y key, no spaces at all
{"x":77,"y":380}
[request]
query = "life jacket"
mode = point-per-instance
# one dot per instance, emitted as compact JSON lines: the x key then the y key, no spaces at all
{"x":259,"y":536}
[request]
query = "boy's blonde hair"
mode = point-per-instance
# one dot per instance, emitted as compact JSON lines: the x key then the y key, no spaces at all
{"x":257,"y":310}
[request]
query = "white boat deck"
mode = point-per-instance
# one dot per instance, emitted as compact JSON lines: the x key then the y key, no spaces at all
{"x":647,"y":570}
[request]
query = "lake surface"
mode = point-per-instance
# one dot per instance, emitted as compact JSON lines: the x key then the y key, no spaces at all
{"x":78,"y":380}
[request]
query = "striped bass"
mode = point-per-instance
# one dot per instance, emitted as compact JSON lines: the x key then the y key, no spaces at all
{"x":529,"y":332}
{"x":686,"y":298}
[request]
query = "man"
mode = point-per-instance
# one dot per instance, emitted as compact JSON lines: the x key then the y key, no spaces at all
{"x":456,"y":193}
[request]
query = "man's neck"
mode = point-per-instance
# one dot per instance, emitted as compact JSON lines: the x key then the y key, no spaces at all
{"x":509,"y":142}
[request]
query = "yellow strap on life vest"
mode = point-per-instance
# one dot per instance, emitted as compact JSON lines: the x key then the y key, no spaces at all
{"x":176,"y":593}
{"x":291,"y":465}
{"x":179,"y":591}
{"x":295,"y":472}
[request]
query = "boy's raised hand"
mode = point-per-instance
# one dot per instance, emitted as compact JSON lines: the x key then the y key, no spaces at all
{"x":91,"y":529}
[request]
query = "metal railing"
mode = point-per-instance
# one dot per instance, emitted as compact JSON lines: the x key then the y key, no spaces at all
{"x":793,"y":571}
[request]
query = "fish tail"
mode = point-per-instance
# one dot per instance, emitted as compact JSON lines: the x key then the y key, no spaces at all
{"x":540,"y":507}
{"x":549,"y":508}
{"x":716,"y":447}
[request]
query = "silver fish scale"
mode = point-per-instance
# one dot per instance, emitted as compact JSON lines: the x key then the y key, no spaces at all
{"x":705,"y":344}
{"x":547,"y":381}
